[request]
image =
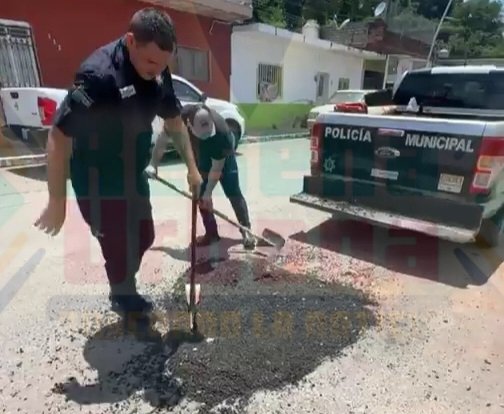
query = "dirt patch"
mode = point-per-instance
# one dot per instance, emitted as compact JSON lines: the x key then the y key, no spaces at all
{"x":261,"y":328}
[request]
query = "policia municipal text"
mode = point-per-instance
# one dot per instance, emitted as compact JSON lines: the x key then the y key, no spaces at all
{"x":104,"y":128}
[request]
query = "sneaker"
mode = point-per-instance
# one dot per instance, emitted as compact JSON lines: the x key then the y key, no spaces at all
{"x":249,"y":241}
{"x":130,"y":304}
{"x":207,"y":240}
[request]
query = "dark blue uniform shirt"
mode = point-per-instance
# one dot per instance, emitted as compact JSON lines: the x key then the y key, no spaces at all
{"x":109,"y":113}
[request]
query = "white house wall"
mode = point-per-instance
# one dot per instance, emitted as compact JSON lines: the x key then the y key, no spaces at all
{"x":300,"y":62}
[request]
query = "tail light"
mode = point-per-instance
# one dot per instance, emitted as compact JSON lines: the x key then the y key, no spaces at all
{"x":316,"y":148}
{"x":357,"y":107}
{"x":47,"y":109}
{"x":490,"y":163}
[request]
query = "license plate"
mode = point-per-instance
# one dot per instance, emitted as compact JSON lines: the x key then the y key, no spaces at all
{"x":389,"y":175}
{"x":450,"y":183}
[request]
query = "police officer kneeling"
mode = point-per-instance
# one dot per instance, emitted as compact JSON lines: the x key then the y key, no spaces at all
{"x":213,"y":144}
{"x":108,"y":115}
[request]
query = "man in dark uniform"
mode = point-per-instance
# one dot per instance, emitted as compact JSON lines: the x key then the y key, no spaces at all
{"x":213,"y":144}
{"x":104,"y":126}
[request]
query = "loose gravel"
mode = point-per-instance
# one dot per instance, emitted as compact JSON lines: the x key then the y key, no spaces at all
{"x":261,"y":327}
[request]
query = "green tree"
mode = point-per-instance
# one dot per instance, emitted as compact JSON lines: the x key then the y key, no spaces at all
{"x":294,"y":14}
{"x":432,"y":9}
{"x":476,"y":29}
{"x":324,"y":11}
{"x":270,"y":12}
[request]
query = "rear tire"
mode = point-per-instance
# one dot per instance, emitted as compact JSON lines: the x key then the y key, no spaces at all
{"x":490,"y":231}
{"x":235,"y":129}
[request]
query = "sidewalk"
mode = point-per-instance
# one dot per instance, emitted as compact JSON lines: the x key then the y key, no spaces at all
{"x":274,"y":135}
{"x":17,"y":153}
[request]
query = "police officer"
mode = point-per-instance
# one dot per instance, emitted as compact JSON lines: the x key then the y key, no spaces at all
{"x":213,"y":145}
{"x":104,"y":127}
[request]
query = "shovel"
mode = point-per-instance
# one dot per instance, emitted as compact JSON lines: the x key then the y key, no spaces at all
{"x":269,"y":237}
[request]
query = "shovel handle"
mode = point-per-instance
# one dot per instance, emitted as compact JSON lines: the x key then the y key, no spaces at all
{"x":216,"y":212}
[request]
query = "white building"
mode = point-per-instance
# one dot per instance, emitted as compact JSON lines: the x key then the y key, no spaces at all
{"x":399,"y":64}
{"x":274,"y":65}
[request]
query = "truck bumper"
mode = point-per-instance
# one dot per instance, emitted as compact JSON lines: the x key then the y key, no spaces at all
{"x":438,"y":217}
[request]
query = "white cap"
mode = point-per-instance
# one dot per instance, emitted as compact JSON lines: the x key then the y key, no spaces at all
{"x":202,"y":124}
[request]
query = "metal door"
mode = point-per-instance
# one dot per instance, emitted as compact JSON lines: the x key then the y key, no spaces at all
{"x":18,"y":61}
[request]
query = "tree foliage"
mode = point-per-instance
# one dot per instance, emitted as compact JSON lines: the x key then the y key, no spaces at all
{"x":476,"y":29}
{"x":270,"y":12}
{"x":432,"y":9}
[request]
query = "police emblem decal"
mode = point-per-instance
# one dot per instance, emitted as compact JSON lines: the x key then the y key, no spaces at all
{"x":127,"y":91}
{"x":329,"y":165}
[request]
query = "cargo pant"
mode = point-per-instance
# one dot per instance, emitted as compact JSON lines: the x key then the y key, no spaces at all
{"x":231,"y":186}
{"x":124,"y":228}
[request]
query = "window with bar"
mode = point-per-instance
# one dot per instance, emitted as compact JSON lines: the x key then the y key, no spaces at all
{"x":343,"y":83}
{"x":269,"y":82}
{"x":18,"y":62}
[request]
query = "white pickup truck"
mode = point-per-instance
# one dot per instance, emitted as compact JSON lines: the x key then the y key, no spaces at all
{"x":32,"y":109}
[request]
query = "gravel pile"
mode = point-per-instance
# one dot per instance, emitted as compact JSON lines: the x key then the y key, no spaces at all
{"x":261,"y":327}
{"x":305,"y":259}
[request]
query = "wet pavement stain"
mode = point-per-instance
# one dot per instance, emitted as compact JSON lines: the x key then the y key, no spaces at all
{"x":260,"y":328}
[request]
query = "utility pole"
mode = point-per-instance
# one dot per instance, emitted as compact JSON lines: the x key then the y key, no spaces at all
{"x":436,"y":34}
{"x":387,"y":59}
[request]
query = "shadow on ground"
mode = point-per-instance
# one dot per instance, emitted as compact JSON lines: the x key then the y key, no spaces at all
{"x":38,"y":172}
{"x":400,"y":251}
{"x":215,"y":253}
{"x":256,"y":336}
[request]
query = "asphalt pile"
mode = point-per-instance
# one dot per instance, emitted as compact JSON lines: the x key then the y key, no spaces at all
{"x":261,"y":327}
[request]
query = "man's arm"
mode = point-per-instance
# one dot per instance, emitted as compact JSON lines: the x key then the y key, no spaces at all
{"x":58,"y":148}
{"x":74,"y":116}
{"x":214,"y":176}
{"x":159,"y":148}
{"x":170,"y":109}
{"x":222,"y":148}
{"x":177,"y":130}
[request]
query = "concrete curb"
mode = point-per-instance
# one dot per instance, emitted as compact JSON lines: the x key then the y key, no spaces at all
{"x":37,"y":159}
{"x":22,"y":160}
{"x":279,"y":137}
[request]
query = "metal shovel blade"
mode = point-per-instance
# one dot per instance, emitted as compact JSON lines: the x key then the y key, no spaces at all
{"x":192,"y":305}
{"x":197,"y":294}
{"x":275,"y":239}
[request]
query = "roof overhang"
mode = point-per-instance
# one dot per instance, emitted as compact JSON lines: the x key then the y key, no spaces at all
{"x":224,"y":10}
{"x":266,"y":31}
{"x":374,"y":36}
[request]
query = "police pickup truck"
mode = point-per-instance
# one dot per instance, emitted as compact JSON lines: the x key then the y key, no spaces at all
{"x":433,"y":164}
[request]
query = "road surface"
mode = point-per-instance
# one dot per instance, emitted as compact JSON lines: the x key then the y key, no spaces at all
{"x":348,"y":318}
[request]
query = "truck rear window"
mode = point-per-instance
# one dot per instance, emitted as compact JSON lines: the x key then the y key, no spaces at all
{"x":453,"y":90}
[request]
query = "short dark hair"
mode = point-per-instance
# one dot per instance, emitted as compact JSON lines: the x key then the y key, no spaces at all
{"x":153,"y":25}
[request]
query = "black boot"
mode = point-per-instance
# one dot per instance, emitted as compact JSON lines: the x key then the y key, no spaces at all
{"x":131,"y":303}
{"x":249,"y":241}
{"x":207,"y":239}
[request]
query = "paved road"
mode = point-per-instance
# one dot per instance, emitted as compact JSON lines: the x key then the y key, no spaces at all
{"x":435,"y":345}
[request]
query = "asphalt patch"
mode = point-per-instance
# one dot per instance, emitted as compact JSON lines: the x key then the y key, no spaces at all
{"x":257,"y":331}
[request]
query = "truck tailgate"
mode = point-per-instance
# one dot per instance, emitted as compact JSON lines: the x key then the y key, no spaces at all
{"x":21,"y":105}
{"x":413,"y":153}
